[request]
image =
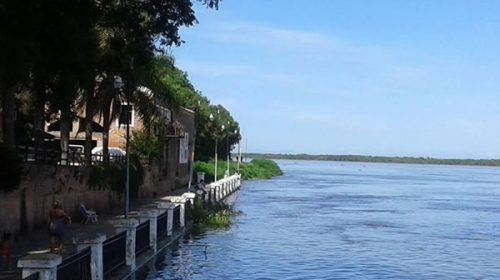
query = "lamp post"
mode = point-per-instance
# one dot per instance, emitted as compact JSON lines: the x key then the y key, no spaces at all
{"x":222,"y":128}
{"x":211,"y":117}
{"x":227,"y":148}
{"x":238,"y":158}
{"x":191,"y":157}
{"x":118,"y":83}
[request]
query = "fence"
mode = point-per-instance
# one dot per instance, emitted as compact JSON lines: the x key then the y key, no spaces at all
{"x":161,"y":228}
{"x":177,"y":217}
{"x":45,"y":155}
{"x":117,"y":251}
{"x":75,"y":267}
{"x":188,"y":211}
{"x":142,"y":238}
{"x":53,"y":157}
{"x":113,"y":252}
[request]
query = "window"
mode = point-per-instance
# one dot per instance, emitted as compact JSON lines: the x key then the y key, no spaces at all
{"x":124,"y":114}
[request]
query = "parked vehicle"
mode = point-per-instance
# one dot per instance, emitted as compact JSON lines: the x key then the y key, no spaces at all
{"x":75,"y":154}
{"x":115,"y":154}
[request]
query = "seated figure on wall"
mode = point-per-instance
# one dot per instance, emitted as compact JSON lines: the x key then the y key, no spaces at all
{"x":200,"y":188}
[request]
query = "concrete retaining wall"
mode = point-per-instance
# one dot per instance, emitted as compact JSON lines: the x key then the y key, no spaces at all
{"x":28,"y":206}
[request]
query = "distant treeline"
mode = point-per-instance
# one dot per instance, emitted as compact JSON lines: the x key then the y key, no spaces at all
{"x":358,"y":158}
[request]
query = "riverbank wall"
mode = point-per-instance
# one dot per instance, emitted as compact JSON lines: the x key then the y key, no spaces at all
{"x":137,"y":240}
{"x":27,"y":207}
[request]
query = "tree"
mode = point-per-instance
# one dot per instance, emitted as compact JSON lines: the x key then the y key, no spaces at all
{"x":51,"y":47}
{"x":15,"y":19}
{"x":126,"y":45}
{"x":185,"y":95}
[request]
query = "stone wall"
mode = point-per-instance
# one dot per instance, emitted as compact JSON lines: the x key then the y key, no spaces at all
{"x":27,"y":207}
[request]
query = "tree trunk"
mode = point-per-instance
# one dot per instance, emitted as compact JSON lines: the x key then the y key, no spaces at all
{"x":65,"y":121}
{"x":105,"y":132}
{"x":9,"y":116}
{"x":89,"y":115}
{"x":38,"y":126}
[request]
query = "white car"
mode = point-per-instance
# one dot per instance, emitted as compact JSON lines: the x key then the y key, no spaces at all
{"x":115,"y":153}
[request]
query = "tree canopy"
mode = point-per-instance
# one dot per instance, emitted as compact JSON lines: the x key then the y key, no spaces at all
{"x":60,"y":53}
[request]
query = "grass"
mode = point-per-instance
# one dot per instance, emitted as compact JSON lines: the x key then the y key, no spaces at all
{"x":256,"y":169}
{"x":212,"y":216}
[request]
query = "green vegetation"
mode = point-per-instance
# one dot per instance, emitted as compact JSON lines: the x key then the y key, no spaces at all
{"x":10,"y":169}
{"x":113,"y":176}
{"x":256,"y":169}
{"x":144,"y":146}
{"x":62,"y":58}
{"x":358,"y":158}
{"x":212,"y":216}
{"x":260,"y":169}
{"x":79,"y":61}
{"x":176,"y":85}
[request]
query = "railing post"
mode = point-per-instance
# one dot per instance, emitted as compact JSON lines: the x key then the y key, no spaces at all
{"x":189,"y":196}
{"x":210,"y":198}
{"x":206,"y":195}
{"x":162,"y":208}
{"x":130,"y":226}
{"x":152,"y":216}
{"x":94,"y":241}
{"x":223,"y":188}
{"x":214,"y":193}
{"x":181,"y":201}
{"x":44,"y":264}
{"x":219,"y":192}
{"x":169,"y":207}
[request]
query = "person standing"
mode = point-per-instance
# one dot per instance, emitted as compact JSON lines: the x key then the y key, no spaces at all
{"x":6,"y":251}
{"x":56,"y":221}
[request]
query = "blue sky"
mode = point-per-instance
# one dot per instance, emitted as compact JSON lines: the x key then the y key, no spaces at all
{"x":408,"y":78}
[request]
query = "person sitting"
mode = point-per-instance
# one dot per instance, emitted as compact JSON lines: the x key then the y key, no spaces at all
{"x":200,"y":187}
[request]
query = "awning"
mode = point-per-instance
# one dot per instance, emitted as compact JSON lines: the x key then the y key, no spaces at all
{"x":56,"y":126}
{"x":96,"y":127}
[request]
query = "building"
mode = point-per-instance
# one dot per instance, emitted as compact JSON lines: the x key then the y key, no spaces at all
{"x":171,"y":169}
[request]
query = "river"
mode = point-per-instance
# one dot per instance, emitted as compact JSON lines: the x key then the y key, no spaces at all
{"x":333,"y":220}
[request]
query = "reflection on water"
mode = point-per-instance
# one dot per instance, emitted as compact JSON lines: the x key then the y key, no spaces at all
{"x":330,"y":220}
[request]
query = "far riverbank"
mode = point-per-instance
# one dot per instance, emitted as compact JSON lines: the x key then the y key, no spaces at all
{"x":380,"y":159}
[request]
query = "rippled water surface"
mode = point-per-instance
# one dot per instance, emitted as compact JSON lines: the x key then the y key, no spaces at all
{"x":331,"y":220}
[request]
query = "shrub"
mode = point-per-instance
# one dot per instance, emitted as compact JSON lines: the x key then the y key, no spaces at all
{"x":217,"y":216}
{"x":145,"y":145}
{"x":256,"y":169}
{"x":113,"y":176}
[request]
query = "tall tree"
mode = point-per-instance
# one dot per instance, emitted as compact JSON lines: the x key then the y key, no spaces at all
{"x":15,"y":35}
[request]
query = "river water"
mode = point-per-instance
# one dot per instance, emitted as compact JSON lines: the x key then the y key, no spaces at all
{"x":332,"y":220}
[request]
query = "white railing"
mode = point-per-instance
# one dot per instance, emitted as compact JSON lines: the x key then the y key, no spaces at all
{"x":219,"y":190}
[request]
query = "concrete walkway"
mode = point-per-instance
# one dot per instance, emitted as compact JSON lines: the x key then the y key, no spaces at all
{"x":38,"y":240}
